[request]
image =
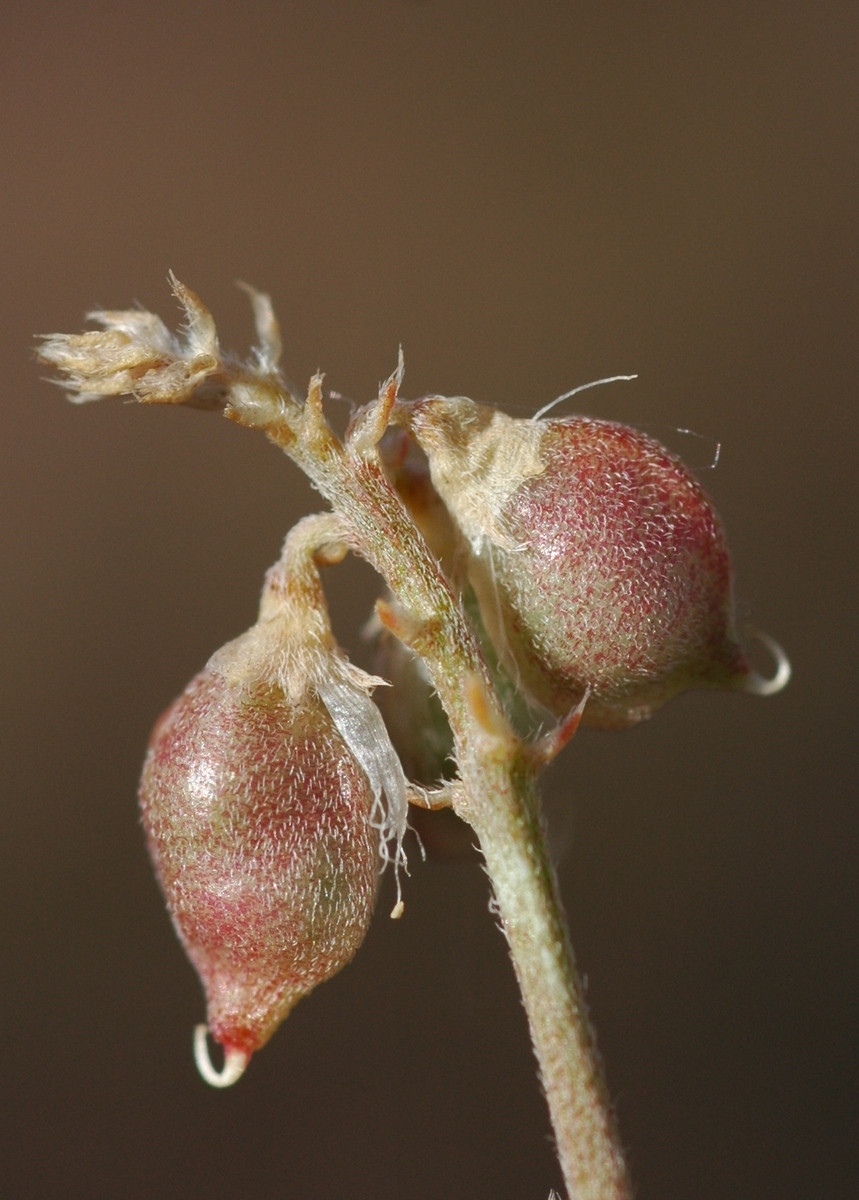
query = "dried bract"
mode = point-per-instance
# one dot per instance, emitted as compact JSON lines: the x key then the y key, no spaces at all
{"x":136,"y":355}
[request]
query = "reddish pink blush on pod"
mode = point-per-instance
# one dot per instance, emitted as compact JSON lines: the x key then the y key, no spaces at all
{"x":597,"y":558}
{"x":258,"y":820}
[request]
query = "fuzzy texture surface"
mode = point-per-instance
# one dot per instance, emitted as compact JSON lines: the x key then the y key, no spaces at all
{"x":259,"y":823}
{"x":597,"y":558}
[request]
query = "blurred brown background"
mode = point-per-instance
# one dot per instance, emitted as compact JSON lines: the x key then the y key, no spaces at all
{"x":527,"y":197}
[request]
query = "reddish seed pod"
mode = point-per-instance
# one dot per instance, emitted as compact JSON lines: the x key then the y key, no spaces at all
{"x":259,"y":823}
{"x":597,"y":558}
{"x":262,"y":800}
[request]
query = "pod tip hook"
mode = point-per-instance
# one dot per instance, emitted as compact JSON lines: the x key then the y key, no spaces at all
{"x":235,"y":1061}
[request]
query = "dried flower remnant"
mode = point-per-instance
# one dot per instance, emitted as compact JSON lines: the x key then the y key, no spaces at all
{"x":135,"y":354}
{"x":262,"y":818}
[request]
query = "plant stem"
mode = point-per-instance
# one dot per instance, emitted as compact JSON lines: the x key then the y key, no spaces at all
{"x":499,"y":799}
{"x":512,"y":840}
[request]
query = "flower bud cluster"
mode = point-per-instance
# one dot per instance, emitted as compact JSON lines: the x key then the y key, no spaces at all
{"x":135,"y":354}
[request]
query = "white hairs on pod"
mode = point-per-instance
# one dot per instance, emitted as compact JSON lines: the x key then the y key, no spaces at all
{"x":583,"y":387}
{"x":360,"y":724}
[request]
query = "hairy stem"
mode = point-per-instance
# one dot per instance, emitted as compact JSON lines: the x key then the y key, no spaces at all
{"x":512,"y":839}
{"x":497,"y":797}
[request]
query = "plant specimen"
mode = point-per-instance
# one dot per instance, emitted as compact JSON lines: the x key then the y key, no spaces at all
{"x":539,"y":572}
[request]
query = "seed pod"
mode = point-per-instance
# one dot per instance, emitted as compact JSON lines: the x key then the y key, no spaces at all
{"x":596,"y":556}
{"x":261,"y":801}
{"x":259,"y":825}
